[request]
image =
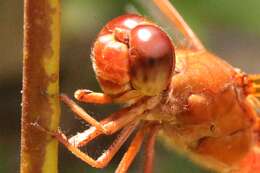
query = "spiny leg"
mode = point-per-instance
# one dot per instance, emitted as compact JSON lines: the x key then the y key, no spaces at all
{"x":81,"y":113}
{"x":131,"y":152}
{"x":149,"y":149}
{"x":106,"y":157}
{"x":169,"y":11}
{"x":83,"y":138}
{"x":115,"y":121}
{"x":87,"y":96}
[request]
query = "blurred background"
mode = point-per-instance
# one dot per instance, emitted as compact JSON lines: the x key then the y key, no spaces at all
{"x":230,"y":29}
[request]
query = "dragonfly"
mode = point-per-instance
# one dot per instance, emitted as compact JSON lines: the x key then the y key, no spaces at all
{"x":199,"y":104}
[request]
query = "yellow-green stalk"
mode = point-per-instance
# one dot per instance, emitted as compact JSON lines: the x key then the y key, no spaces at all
{"x":40,"y":100}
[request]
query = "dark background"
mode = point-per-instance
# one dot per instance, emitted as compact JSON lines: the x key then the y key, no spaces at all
{"x":230,"y":29}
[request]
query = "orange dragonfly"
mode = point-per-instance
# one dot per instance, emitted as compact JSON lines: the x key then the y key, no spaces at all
{"x":201,"y":105}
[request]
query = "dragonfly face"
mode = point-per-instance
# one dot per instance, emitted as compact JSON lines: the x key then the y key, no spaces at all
{"x":132,"y":53}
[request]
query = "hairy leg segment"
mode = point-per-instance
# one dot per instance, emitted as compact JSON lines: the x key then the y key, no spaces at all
{"x":127,"y":119}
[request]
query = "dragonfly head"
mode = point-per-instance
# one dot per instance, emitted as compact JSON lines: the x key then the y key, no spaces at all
{"x":132,"y":53}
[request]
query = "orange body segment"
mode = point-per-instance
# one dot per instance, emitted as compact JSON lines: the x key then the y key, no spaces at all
{"x":213,"y":117}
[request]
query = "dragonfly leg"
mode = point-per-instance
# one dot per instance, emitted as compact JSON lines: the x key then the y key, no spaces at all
{"x":111,"y":124}
{"x":118,"y":119}
{"x":149,"y":149}
{"x":88,"y":96}
{"x":106,"y":157}
{"x":81,"y":113}
{"x":131,"y":152}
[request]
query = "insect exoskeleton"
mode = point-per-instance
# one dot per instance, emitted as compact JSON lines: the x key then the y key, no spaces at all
{"x":202,"y":110}
{"x":132,"y":53}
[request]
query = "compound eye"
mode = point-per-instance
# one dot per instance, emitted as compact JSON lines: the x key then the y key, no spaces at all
{"x":152,"y":59}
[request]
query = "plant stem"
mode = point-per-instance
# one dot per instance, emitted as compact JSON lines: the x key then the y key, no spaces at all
{"x":40,"y":100}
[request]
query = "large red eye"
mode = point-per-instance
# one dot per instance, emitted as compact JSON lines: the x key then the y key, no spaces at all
{"x":132,"y":53}
{"x":151,"y":58}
